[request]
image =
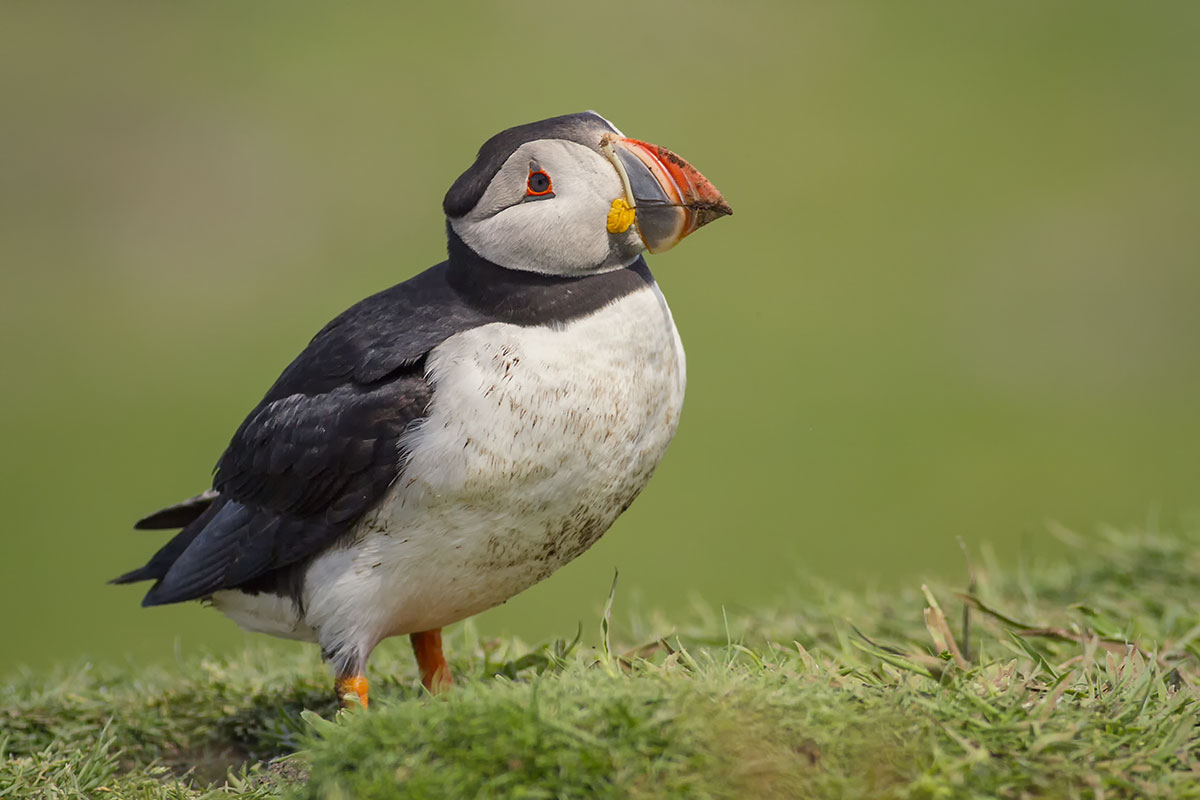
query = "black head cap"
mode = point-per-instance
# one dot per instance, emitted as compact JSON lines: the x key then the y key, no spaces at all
{"x":585,"y":128}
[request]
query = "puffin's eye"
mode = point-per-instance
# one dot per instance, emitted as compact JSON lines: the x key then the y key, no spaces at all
{"x":538,"y":185}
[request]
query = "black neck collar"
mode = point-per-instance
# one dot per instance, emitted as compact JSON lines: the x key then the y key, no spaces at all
{"x":530,"y":298}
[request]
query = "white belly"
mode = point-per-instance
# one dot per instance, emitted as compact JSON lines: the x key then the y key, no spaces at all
{"x":537,"y":439}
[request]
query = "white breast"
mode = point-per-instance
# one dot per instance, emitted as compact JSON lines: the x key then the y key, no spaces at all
{"x":536,"y":440}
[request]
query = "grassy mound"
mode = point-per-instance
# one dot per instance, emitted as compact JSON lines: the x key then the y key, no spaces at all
{"x":1073,"y":680}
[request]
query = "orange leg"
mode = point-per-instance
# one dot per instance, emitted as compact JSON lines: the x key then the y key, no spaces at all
{"x":351,"y":687}
{"x":435,"y":672}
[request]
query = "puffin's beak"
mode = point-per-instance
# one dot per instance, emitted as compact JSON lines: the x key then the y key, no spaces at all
{"x":667,"y":196}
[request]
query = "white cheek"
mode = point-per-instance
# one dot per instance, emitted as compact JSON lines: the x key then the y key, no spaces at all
{"x":560,"y":234}
{"x":565,"y":234}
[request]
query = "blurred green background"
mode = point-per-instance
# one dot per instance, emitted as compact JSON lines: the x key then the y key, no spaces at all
{"x":959,"y":296}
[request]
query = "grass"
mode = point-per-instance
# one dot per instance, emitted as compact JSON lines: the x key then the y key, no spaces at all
{"x":1076,"y":679}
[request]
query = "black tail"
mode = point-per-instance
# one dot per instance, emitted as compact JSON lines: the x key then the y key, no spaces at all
{"x":158,"y":565}
{"x":146,"y":573}
{"x":191,"y":515}
{"x":178,"y":515}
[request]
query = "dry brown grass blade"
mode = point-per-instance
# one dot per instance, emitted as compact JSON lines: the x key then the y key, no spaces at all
{"x":939,"y":629}
{"x":643,"y":652}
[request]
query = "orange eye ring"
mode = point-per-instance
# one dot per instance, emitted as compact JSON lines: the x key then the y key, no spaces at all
{"x":538,"y":184}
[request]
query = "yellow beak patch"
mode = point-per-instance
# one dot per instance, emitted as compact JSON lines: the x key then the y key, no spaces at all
{"x":620,"y":216}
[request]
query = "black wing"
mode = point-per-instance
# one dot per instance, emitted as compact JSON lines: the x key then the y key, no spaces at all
{"x":317,"y":453}
{"x":299,"y":473}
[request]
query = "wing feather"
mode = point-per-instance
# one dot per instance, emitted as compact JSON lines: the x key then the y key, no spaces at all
{"x":298,"y":474}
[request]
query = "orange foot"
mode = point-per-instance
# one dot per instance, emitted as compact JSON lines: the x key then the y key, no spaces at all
{"x":351,"y":688}
{"x":435,"y":672}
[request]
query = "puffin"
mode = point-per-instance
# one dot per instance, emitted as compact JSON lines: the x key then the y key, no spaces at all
{"x":447,"y":443}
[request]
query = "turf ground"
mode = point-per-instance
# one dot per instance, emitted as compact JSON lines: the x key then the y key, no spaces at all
{"x":1073,"y":679}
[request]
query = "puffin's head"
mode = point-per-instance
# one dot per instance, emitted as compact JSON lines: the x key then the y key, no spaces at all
{"x":570,"y":196}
